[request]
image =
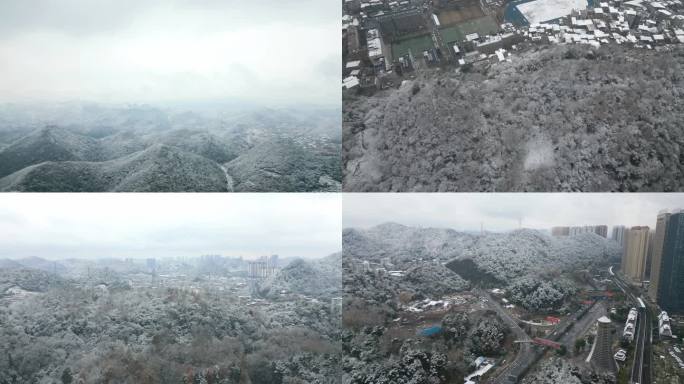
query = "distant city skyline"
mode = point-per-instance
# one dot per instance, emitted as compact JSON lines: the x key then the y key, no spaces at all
{"x":59,"y":226}
{"x":500,"y":212}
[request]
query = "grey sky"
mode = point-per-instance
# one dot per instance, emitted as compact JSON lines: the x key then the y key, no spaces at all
{"x":57,"y":226}
{"x":501,"y":211}
{"x":164,"y":50}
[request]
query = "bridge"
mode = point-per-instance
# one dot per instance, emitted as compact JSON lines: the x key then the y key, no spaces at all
{"x":542,"y":342}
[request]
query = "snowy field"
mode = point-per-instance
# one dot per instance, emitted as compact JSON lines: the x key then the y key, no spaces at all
{"x":540,"y":11}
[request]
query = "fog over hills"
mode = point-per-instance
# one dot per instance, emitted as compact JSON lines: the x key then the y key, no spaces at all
{"x":158,"y":168}
{"x":182,"y":320}
{"x":92,"y":147}
{"x":323,"y":276}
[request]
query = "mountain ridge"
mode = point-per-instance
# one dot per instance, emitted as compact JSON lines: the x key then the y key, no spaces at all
{"x":91,"y":158}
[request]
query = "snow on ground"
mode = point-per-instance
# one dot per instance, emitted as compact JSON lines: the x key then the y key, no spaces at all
{"x":540,"y":11}
{"x":481,"y":371}
{"x":539,"y":154}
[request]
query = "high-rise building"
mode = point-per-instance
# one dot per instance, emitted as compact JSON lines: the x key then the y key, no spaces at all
{"x":635,"y":253}
{"x":671,"y":278}
{"x":601,"y":230}
{"x":560,"y":231}
{"x":658,"y":241}
{"x":152,"y":265}
{"x":273,"y":264}
{"x":649,"y":255}
{"x":619,"y":234}
{"x":622,"y":237}
{"x":602,"y":356}
{"x":257,"y":269}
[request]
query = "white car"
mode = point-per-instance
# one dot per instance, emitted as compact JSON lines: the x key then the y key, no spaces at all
{"x":620,"y":355}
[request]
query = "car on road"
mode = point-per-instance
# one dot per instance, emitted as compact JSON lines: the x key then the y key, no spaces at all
{"x":621,"y":355}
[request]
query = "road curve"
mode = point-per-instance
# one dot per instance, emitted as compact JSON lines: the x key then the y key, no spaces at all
{"x":229,"y":179}
{"x":525,"y":353}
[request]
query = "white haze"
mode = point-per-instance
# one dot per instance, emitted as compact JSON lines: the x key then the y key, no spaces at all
{"x":507,"y":211}
{"x":56,"y":226}
{"x":265,"y":51}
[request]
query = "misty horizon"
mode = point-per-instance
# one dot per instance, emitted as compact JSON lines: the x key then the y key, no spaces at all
{"x":169,"y":225}
{"x":143,"y":258}
{"x":169,"y":50}
{"x":504,"y":212}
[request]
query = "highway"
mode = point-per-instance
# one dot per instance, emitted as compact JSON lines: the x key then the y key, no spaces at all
{"x":641,"y":366}
{"x":565,"y":333}
{"x":573,"y":328}
{"x":637,"y":366}
{"x":526,"y":355}
{"x":582,"y":325}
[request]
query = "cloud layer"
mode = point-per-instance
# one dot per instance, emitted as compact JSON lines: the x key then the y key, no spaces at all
{"x":158,"y":225}
{"x":153,"y":51}
{"x":504,"y":211}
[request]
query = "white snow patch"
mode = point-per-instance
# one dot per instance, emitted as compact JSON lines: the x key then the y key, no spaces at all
{"x":539,"y":154}
{"x":481,"y":371}
{"x":540,"y":11}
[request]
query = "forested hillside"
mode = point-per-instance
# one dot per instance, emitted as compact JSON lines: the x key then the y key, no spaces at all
{"x":558,"y":118}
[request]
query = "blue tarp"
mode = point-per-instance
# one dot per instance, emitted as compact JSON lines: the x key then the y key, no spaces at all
{"x":431,"y":331}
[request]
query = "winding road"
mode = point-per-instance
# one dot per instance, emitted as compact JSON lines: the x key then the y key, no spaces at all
{"x":229,"y":179}
{"x":526,"y":355}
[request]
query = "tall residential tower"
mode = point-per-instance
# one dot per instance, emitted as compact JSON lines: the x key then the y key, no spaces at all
{"x":658,"y":242}
{"x":671,"y":279}
{"x":634,"y":266}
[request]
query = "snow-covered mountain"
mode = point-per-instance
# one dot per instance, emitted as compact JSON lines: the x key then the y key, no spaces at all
{"x":561,"y":118}
{"x":74,"y":147}
{"x":318,"y":278}
{"x":502,"y":257}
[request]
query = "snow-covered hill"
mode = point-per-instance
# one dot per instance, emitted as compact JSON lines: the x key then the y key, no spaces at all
{"x":502,"y":257}
{"x":317,"y":278}
{"x":557,"y":118}
{"x":74,"y":147}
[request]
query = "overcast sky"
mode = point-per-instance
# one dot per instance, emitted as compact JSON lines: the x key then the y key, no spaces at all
{"x":502,"y":212}
{"x":269,"y":51}
{"x":57,"y":226}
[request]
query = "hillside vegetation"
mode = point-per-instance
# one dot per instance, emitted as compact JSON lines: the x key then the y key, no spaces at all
{"x":527,"y":262}
{"x":87,"y":148}
{"x":557,"y":118}
{"x":113,"y":327}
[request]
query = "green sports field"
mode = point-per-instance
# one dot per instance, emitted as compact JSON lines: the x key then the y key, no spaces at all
{"x":483,"y":26}
{"x":416,"y":44}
